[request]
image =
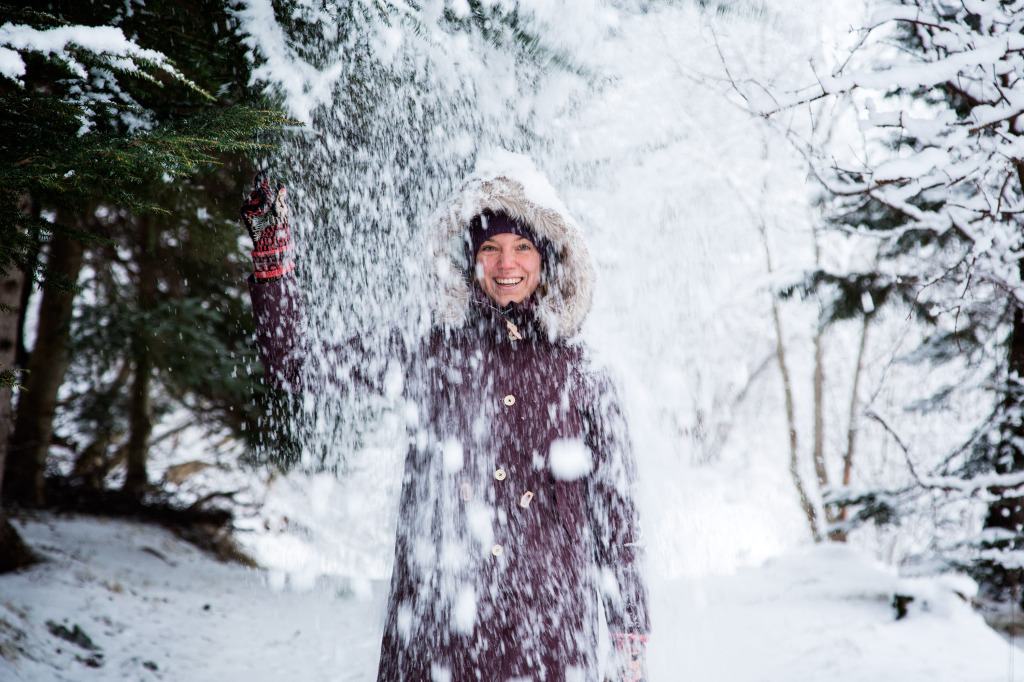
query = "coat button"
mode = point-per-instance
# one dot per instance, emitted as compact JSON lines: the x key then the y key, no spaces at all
{"x":525,"y":500}
{"x":497,"y":550}
{"x":500,"y":474}
{"x":510,"y":400}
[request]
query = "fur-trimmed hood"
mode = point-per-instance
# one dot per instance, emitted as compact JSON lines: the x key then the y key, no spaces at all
{"x":509,"y":183}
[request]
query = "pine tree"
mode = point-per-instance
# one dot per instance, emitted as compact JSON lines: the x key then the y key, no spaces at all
{"x":94,"y":129}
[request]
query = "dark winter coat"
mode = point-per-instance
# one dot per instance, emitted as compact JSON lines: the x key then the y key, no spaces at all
{"x":516,"y":508}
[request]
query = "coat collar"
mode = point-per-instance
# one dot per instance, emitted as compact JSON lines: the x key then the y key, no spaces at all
{"x":514,"y":322}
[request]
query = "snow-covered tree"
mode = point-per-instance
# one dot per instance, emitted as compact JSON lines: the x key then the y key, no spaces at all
{"x":936,"y":190}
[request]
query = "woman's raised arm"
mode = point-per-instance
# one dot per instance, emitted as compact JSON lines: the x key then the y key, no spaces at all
{"x":292,"y":359}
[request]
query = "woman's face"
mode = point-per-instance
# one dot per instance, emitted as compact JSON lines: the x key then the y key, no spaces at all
{"x":508,"y":268}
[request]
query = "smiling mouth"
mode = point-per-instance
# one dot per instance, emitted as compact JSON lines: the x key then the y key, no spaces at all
{"x":508,"y":281}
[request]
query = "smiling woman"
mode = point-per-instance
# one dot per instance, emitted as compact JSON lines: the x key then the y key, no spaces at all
{"x":508,"y":264}
{"x":517,"y":512}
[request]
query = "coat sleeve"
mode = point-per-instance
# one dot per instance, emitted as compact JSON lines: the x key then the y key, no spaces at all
{"x":612,"y":510}
{"x":277,"y":307}
{"x":293,"y":361}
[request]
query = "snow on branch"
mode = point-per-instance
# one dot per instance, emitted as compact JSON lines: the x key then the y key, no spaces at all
{"x":1011,"y":559}
{"x":953,"y":55}
{"x":68,"y":44}
{"x":991,"y":483}
{"x":937,"y":90}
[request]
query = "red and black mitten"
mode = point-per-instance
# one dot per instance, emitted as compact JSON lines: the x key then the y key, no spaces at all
{"x":266,"y":218}
{"x":629,"y":657}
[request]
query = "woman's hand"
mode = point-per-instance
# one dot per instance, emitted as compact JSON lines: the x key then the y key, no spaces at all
{"x":629,"y":658}
{"x":266,"y":218}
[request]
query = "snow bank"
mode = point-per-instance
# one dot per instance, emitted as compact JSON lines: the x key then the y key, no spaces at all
{"x":824,"y":613}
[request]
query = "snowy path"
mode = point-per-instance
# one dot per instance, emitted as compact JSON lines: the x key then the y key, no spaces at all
{"x":157,"y":609}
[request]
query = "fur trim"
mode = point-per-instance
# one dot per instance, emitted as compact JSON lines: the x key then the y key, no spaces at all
{"x":570,"y":283}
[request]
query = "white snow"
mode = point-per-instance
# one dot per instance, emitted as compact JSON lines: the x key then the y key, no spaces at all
{"x":101,"y":40}
{"x":867,"y":304}
{"x":913,"y":166}
{"x":570,"y":459}
{"x":451,"y":455}
{"x":305,"y":85}
{"x":824,"y":613}
{"x":11,"y":63}
{"x":497,"y":163}
{"x":465,"y":610}
{"x":480,"y":523}
{"x":157,"y":609}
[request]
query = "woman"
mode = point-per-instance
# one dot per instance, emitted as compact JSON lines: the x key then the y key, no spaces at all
{"x":516,"y":508}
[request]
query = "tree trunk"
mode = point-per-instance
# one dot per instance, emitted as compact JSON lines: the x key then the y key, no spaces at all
{"x":13,"y":552}
{"x":787,"y":388}
{"x":832,"y":513}
{"x":851,"y":429}
{"x":794,"y":460}
{"x":140,"y":417}
{"x":24,"y":478}
{"x":10,"y":297}
{"x":852,"y":425}
{"x":96,"y":461}
{"x":140,"y":424}
{"x":997,"y":581}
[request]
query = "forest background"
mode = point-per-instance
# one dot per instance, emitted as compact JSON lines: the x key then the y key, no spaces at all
{"x":810,"y":258}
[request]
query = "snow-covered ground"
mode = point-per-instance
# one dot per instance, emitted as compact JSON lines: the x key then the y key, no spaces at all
{"x":154,"y":608}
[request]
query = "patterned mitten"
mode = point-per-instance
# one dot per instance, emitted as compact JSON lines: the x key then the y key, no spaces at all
{"x":266,"y":218}
{"x":629,"y":658}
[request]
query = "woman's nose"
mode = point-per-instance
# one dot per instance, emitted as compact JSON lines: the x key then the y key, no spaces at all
{"x":507,"y":260}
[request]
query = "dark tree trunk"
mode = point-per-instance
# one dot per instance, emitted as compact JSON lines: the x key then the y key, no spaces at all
{"x":13,"y":552}
{"x":24,"y":477}
{"x":140,"y":424}
{"x":140,"y":416}
{"x":1006,"y":513}
{"x":10,"y":296}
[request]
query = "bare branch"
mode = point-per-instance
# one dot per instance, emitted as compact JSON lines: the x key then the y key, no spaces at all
{"x":871,"y":414}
